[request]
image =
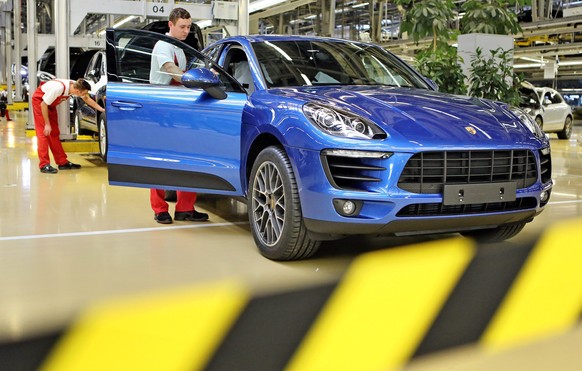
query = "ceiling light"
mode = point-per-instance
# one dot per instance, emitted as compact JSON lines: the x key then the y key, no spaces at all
{"x":119,"y":23}
{"x":359,"y":5}
{"x":531,"y":59}
{"x":263,"y":4}
{"x":205,"y":23}
{"x":124,"y":21}
{"x":528,"y":65}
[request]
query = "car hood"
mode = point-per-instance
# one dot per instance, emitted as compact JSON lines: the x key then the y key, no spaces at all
{"x":417,"y":115}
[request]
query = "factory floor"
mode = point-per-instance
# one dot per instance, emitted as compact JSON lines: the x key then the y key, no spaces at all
{"x":69,"y":240}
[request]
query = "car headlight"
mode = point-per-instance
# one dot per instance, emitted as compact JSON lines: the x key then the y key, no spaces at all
{"x":527,"y":121}
{"x":341,"y":123}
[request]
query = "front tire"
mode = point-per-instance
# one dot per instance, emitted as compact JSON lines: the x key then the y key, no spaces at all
{"x":103,"y":136}
{"x":274,"y":209}
{"x":567,"y":131}
{"x":498,"y":234}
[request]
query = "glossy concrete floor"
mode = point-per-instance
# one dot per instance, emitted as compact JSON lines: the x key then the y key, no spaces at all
{"x":70,"y":239}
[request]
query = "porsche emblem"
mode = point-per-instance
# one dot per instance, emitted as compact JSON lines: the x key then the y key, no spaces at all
{"x":471,"y":130}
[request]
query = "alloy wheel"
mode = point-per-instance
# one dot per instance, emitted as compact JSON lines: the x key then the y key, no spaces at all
{"x":268,"y":203}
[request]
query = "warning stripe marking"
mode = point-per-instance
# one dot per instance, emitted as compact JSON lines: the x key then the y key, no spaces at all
{"x":475,"y":299}
{"x":177,"y":330}
{"x":546,"y":298}
{"x":269,"y":330}
{"x":383,"y":307}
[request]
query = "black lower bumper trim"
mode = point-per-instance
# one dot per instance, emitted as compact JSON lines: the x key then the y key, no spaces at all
{"x":418,"y":226}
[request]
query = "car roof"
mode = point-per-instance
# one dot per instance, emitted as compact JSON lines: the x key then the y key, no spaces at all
{"x":263,"y":38}
{"x":545,"y":88}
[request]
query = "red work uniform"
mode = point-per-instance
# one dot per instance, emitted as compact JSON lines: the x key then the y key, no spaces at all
{"x":185,"y":201}
{"x":52,"y":141}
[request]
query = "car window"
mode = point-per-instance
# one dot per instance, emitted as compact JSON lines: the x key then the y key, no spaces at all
{"x":300,"y":63}
{"x":213,"y":52}
{"x":95,"y":69}
{"x":528,"y":98}
{"x":236,"y":64}
{"x":555,"y":98}
{"x":133,"y":56}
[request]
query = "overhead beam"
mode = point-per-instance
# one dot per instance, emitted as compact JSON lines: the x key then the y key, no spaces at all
{"x":147,"y":9}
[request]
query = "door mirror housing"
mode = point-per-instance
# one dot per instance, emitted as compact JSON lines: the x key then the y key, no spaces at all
{"x":203,"y":78}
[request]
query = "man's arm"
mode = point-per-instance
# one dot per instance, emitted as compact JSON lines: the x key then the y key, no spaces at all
{"x":173,"y":70}
{"x":45,"y":116}
{"x":91,"y":103}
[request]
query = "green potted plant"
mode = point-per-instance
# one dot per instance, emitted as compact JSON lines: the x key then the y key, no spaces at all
{"x":492,"y":77}
{"x":489,"y":17}
{"x":439,"y":62}
{"x":491,"y":72}
{"x":442,"y":65}
{"x":426,"y":18}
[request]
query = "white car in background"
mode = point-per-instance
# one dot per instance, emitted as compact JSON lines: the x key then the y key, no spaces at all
{"x":548,"y":108}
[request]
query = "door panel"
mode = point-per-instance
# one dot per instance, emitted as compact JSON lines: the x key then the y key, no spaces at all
{"x":175,"y":128}
{"x":169,"y":137}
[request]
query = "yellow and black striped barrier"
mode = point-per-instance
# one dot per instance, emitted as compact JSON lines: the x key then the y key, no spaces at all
{"x":389,"y":308}
{"x":17,"y":106}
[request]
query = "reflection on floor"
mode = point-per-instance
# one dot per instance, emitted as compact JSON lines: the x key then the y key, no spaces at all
{"x":70,"y":239}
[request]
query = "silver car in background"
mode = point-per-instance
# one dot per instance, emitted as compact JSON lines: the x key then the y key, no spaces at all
{"x":548,"y":108}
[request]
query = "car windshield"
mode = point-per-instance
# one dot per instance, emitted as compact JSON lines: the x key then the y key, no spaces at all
{"x":304,"y":63}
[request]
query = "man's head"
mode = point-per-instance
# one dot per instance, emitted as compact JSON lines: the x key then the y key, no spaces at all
{"x":180,"y":22}
{"x":80,"y":88}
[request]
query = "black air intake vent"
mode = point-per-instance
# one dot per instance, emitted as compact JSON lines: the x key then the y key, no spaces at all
{"x":352,"y":173}
{"x":546,"y":165}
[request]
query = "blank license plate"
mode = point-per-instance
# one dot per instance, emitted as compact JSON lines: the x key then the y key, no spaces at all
{"x":460,"y":194}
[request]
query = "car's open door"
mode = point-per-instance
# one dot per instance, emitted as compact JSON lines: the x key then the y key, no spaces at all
{"x":169,"y":137}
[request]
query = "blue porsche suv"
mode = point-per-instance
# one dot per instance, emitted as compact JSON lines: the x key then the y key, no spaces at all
{"x":324,"y":138}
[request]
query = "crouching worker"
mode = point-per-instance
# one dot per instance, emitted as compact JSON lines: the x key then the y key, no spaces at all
{"x":45,"y":100}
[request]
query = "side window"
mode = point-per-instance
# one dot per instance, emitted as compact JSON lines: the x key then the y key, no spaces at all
{"x":556,"y":99}
{"x":135,"y":50}
{"x":134,"y":55}
{"x":213,"y":53}
{"x":547,"y":99}
{"x":96,"y":67}
{"x":236,"y":64}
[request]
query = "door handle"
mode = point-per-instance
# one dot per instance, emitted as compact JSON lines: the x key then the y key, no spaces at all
{"x":126,"y":106}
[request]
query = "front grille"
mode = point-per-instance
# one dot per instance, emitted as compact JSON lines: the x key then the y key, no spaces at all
{"x":428,"y":172}
{"x":438,"y":209}
{"x":352,"y":173}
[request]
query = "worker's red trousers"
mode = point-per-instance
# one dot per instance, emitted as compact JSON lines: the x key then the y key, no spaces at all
{"x":52,"y":141}
{"x":185,"y":201}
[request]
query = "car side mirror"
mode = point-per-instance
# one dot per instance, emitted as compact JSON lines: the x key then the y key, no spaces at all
{"x":203,"y":78}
